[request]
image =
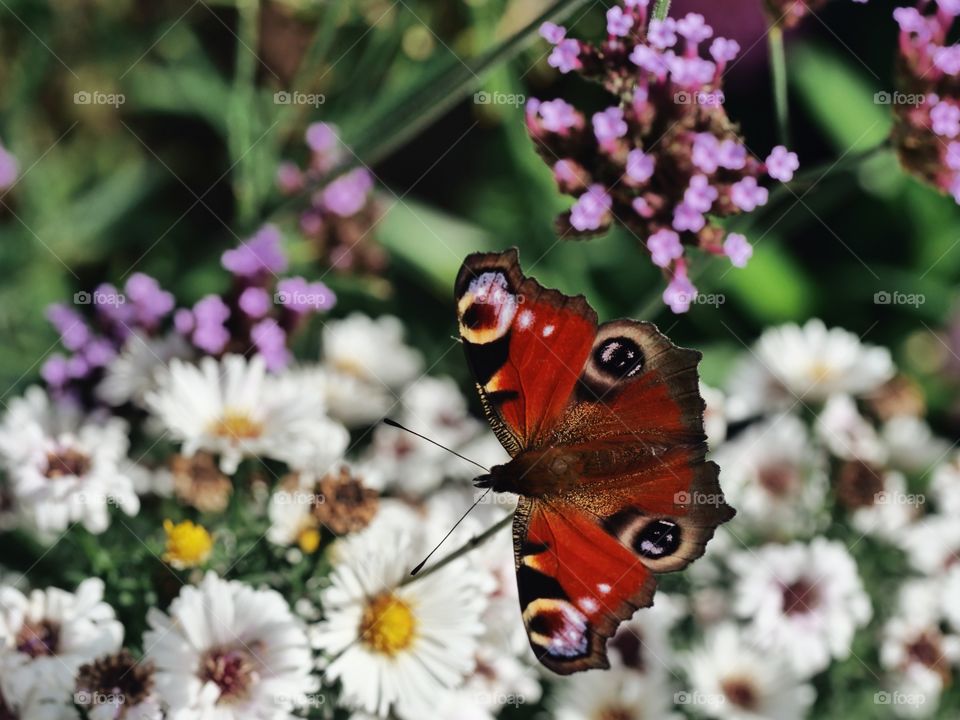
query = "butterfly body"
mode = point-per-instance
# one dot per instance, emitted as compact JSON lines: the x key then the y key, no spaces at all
{"x":604,"y":423}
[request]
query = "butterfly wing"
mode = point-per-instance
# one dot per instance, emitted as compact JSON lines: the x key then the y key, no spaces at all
{"x":525,"y":345}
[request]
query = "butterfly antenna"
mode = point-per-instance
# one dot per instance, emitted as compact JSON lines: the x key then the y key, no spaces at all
{"x":394,"y":423}
{"x":419,"y":567}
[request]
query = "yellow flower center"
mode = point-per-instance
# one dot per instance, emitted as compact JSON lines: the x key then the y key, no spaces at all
{"x":188,"y":545}
{"x":236,"y":425}
{"x":309,"y":540}
{"x":821,"y":372}
{"x":388,"y":624}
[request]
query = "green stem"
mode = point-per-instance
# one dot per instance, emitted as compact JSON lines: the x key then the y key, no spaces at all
{"x":474,"y":542}
{"x":778,"y":73}
{"x":661,"y":9}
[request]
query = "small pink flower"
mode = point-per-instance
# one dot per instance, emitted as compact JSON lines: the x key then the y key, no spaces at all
{"x":700,"y":194}
{"x":570,"y":175}
{"x":747,"y":194}
{"x":552,"y":33}
{"x":646,"y":58}
{"x":782,"y":164}
{"x":662,"y":33}
{"x":723,"y":50}
{"x":952,"y":157}
{"x":737,"y":249}
{"x":680,"y":293}
{"x":706,"y":152}
{"x":558,"y":116}
{"x":565,"y":56}
{"x":948,"y":59}
{"x":640,"y":166}
{"x":618,"y":22}
{"x":641,"y":207}
{"x":665,"y":247}
{"x":591,"y":209}
{"x":693,"y":28}
{"x":945,"y":119}
{"x":687,"y":217}
{"x":731,"y":155}
{"x":609,"y":124}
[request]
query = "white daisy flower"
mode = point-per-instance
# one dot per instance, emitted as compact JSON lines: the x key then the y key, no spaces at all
{"x":945,"y":486}
{"x":911,"y":445}
{"x":731,"y":678}
{"x":397,"y":647}
{"x":775,"y":477}
{"x":889,"y":510}
{"x":131,"y":375}
{"x":804,"y":600}
{"x":499,"y":680}
{"x":227,"y":651}
{"x":436,"y":408}
{"x":368,"y":363}
{"x":233,"y":408}
{"x":64,"y":468}
{"x":46,"y":635}
{"x":118,"y":687}
{"x":847,"y":434}
{"x":619,"y":693}
{"x":915,"y":650}
{"x":808,"y":363}
{"x":932,"y":544}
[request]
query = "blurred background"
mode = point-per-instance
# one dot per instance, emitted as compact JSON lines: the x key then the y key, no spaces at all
{"x":166,"y":180}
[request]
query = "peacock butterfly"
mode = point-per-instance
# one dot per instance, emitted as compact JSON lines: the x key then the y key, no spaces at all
{"x":604,"y":424}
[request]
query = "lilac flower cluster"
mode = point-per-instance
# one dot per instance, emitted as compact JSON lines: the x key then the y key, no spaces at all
{"x":94,"y":338}
{"x":342,"y":213}
{"x":665,"y":158}
{"x":927,"y":108}
{"x":261,"y":310}
{"x":259,"y":313}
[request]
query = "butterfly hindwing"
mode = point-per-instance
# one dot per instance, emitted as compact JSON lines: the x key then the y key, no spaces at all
{"x":576,"y":584}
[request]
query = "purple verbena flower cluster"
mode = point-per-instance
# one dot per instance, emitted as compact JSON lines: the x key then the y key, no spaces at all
{"x":261,"y":310}
{"x":94,"y":338}
{"x":665,"y":159}
{"x":927,"y":106}
{"x":343,"y":212}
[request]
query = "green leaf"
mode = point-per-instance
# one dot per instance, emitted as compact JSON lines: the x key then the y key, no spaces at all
{"x":840,"y":95}
{"x":432,"y":242}
{"x":772,"y":287}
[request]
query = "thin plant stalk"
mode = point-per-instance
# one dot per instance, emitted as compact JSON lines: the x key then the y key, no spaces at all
{"x":778,"y":76}
{"x":661,"y":9}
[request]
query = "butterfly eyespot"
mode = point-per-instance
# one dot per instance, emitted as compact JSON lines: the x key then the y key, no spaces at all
{"x":487,"y":307}
{"x":658,"y":539}
{"x":618,"y":356}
